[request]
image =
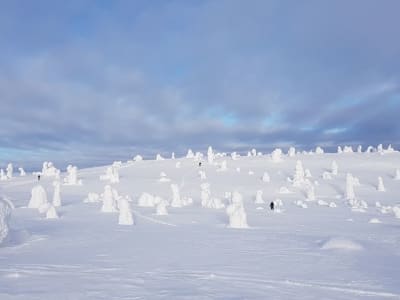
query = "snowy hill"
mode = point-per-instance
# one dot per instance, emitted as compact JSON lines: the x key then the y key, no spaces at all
{"x":207,"y":232}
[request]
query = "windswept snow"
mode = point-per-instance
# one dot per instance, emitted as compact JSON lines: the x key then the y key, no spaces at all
{"x":204,"y":229}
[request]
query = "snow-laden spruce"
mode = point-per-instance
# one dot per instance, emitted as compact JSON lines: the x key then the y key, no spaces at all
{"x":51,"y":212}
{"x":259,"y":197}
{"x":381,"y":187}
{"x":49,"y":170}
{"x":210,"y":155}
{"x":236,"y":212}
{"x":299,"y":176}
{"x":57,"y":193}
{"x":265,"y":177}
{"x":5,"y":213}
{"x":10,"y":171}
{"x":207,"y":200}
{"x":125,"y":213}
{"x":72,"y":176}
{"x":334,"y":168}
{"x":112,"y":174}
{"x":291,"y":152}
{"x":22,"y":172}
{"x":38,"y":198}
{"x":276,"y":155}
{"x":109,"y":198}
{"x":177,"y":200}
{"x":161,"y":208}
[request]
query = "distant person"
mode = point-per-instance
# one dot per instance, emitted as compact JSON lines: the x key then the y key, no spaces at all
{"x":272,"y":205}
{"x":199,"y":163}
{"x":38,"y":177}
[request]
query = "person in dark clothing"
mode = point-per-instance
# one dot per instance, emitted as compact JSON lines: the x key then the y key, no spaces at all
{"x":199,"y":163}
{"x":272,"y":205}
{"x":38,"y":177}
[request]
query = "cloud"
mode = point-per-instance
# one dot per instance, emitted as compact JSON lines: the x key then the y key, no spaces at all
{"x":93,"y":80}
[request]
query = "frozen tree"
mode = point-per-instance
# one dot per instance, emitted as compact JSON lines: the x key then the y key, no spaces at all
{"x":350,"y":195}
{"x":173,"y":155}
{"x":146,"y":200}
{"x":380,"y":148}
{"x":202,"y":175}
{"x":397,"y":175}
{"x":159,"y":157}
{"x":234,"y":156}
{"x":347,"y":149}
{"x":56,"y":195}
{"x":5,"y":213}
{"x":381,"y":187}
{"x":339,"y":150}
{"x":292,"y":152}
{"x":236,"y":212}
{"x":51,"y":213}
{"x":176,"y":197}
{"x":125,"y":213}
{"x":138,"y":158}
{"x":259,"y":197}
{"x":276,"y":155}
{"x":307,"y":173}
{"x":10,"y":170}
{"x":21,"y":172}
{"x":369,"y":149}
{"x":319,"y":150}
{"x":48,"y":169}
{"x":38,"y":198}
{"x":72,"y":176}
{"x":109,"y":200}
{"x":190,"y":154}
{"x":298,"y":178}
{"x":359,"y":149}
{"x":334,"y":168}
{"x":266,"y":177}
{"x":253,"y":152}
{"x":210,"y":155}
{"x":2,"y":175}
{"x":206,"y":199}
{"x":310,"y":193}
{"x":161,"y":208}
{"x":92,"y":198}
{"x":178,"y":165}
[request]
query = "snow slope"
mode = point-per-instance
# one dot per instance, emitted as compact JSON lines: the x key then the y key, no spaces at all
{"x":318,"y":252}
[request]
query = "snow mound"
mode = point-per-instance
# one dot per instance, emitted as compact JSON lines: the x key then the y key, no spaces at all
{"x":341,"y":244}
{"x":374,"y":221}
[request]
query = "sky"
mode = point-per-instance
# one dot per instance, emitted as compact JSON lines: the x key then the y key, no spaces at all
{"x":90,"y":82}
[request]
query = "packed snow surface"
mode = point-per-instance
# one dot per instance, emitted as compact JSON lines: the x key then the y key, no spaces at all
{"x":206,"y":234}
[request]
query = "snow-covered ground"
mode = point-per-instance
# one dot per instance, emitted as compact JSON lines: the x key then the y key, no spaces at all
{"x":304,"y":249}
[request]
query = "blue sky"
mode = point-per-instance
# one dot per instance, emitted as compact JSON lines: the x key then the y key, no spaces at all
{"x":93,"y":81}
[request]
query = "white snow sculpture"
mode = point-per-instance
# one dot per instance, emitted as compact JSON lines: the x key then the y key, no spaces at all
{"x":146,"y":200}
{"x":298,"y":178}
{"x":381,"y":187}
{"x":125,"y":213}
{"x":222,"y":167}
{"x":236,"y":212}
{"x":210,"y":155}
{"x":319,"y":150}
{"x":206,"y":200}
{"x":109,"y":200}
{"x":190,"y":154}
{"x":259,"y":197}
{"x":292,"y":152}
{"x":38,"y":198}
{"x":56,"y":194}
{"x":22,"y":172}
{"x":265,"y":177}
{"x":397,"y":175}
{"x":334,"y":168}
{"x":276,"y":155}
{"x":51,"y":213}
{"x":5,"y":213}
{"x":10,"y":170}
